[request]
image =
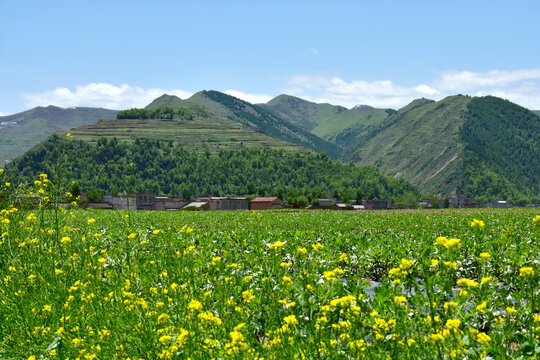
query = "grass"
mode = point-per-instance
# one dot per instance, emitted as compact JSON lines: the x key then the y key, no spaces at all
{"x":343,"y":120}
{"x":273,"y":285}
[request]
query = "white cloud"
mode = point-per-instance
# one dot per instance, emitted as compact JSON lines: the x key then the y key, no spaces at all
{"x":251,"y":98}
{"x":425,"y":89}
{"x":100,"y":95}
{"x":314,"y":51}
{"x":519,"y":86}
{"x":335,"y":90}
{"x":467,"y":80}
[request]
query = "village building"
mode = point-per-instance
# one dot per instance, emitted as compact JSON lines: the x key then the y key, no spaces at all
{"x":266,"y":203}
{"x":202,"y":205}
{"x":375,"y":204}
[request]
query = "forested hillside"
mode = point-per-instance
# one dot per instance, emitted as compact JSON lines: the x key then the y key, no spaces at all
{"x":162,"y":168}
{"x":502,"y":150}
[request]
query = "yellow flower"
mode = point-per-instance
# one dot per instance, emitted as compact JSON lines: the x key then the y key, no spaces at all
{"x":482,"y":307}
{"x":485,"y":255}
{"x":486,"y":280}
{"x":216,"y":260}
{"x":58,"y":271}
{"x":400,"y":299}
{"x":406,"y":264}
{"x":317,"y":246}
{"x":156,"y":232}
{"x":302,"y":250}
{"x":510,"y":310}
{"x":290,"y":320}
{"x":450,"y":305}
{"x":483,"y":338}
{"x":526,"y":272}
{"x":453,"y":324}
{"x":478,"y":223}
{"x":91,"y":221}
{"x":194,"y":305}
{"x":276,"y":246}
{"x":132,"y":236}
{"x":287,"y":281}
{"x":284,"y":265}
{"x":467,"y":282}
{"x":47,"y":308}
{"x":536,"y":218}
{"x":65,"y":240}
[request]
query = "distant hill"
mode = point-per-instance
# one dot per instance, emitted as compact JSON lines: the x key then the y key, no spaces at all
{"x":21,"y":131}
{"x":300,"y":112}
{"x":324,"y":120}
{"x":537,"y":112}
{"x":437,"y":145}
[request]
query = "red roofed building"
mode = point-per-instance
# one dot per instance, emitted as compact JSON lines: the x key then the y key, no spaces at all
{"x":266,"y":203}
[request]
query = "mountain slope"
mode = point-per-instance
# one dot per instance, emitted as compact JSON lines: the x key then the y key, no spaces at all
{"x":486,"y":147}
{"x":419,"y":143}
{"x":300,"y":112}
{"x":214,"y":104}
{"x":502,"y":150}
{"x":363,"y":118}
{"x":20,"y":132}
{"x":205,"y":130}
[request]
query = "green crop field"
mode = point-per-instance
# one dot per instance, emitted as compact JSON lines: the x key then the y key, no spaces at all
{"x":80,"y":284}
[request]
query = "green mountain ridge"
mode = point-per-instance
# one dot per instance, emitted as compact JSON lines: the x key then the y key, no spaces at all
{"x":19,"y":132}
{"x":431,"y":144}
{"x":257,"y":118}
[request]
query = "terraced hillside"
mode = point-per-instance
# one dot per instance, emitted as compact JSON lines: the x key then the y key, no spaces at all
{"x":202,"y":132}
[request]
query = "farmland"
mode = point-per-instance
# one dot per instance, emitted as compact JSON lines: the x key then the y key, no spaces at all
{"x":275,"y":285}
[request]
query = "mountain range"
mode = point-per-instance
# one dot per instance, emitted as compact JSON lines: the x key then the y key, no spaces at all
{"x":483,"y":146}
{"x":22,"y":131}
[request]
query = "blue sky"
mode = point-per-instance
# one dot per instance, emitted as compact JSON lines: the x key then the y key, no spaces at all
{"x":120,"y":54}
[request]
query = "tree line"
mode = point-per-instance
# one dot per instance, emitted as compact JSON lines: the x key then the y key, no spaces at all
{"x":159,"y":113}
{"x":161,"y":167}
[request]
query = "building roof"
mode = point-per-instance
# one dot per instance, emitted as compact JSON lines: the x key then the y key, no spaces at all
{"x":264,"y":199}
{"x":197,"y":204}
{"x":217,"y":197}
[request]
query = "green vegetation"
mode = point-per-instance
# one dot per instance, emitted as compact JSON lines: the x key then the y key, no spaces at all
{"x":158,"y":113}
{"x":331,"y":126}
{"x":24,"y":130}
{"x":502,"y":150}
{"x":419,"y":143}
{"x":162,"y":168}
{"x":300,"y":112}
{"x":278,"y":285}
{"x":324,"y":120}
